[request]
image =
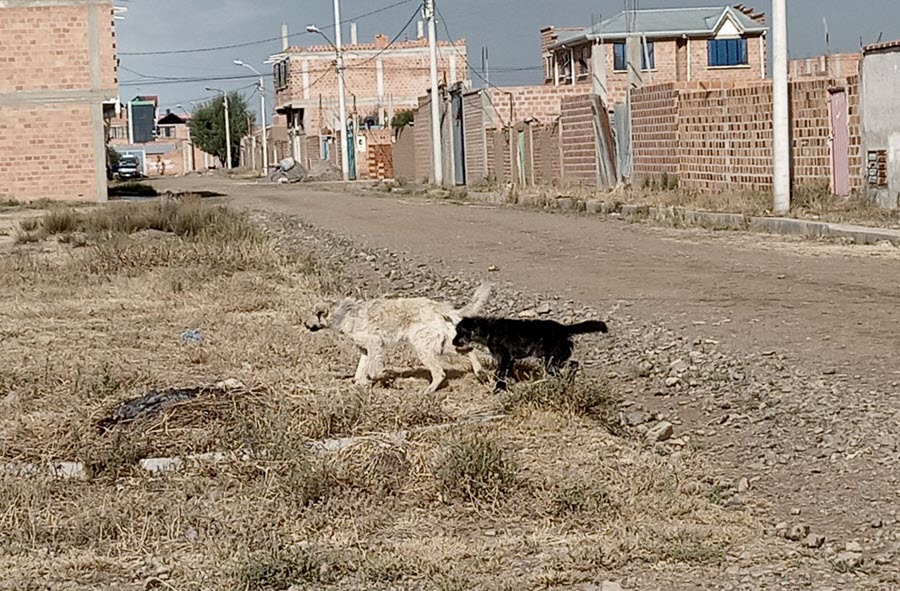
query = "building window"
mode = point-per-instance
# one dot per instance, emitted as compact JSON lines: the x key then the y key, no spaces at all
{"x":119,"y":132}
{"x":166,"y":131}
{"x":727,"y":52}
{"x":620,"y":59}
{"x":582,"y":58}
{"x":281,"y":74}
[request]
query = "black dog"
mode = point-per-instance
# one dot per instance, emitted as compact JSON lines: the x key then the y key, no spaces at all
{"x":509,"y":340}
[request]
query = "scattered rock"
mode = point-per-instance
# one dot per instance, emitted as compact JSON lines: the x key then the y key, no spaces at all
{"x":743,"y":485}
{"x":231,"y":384}
{"x":678,"y":367}
{"x":853,"y":547}
{"x":610,"y":586}
{"x":635,"y":418}
{"x":661,"y":432}
{"x":797,"y":532}
{"x":848,"y":561}
{"x":814,"y":541}
{"x":543,"y":309}
{"x":565,"y":203}
{"x":877,"y":524}
{"x":672,"y":382}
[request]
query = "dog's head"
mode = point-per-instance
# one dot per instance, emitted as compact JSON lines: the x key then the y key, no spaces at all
{"x":466,"y":335}
{"x":319,"y":319}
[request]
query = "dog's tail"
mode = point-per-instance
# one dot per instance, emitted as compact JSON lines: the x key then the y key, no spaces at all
{"x":478,"y":300}
{"x":587,"y":327}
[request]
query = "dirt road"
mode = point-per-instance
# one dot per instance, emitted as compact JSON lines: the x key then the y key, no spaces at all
{"x":829,"y":306}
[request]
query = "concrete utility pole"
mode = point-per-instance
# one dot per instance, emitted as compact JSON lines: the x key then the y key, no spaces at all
{"x":436,"y":147}
{"x":224,"y":94}
{"x":342,"y":99}
{"x":780,"y":114}
{"x":262,"y":115}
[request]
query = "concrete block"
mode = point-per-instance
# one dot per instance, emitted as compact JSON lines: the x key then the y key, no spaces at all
{"x":789,"y":227}
{"x":593,"y":206}
{"x":608,"y":207}
{"x":635,"y":210}
{"x":719,"y":221}
{"x":565,"y":203}
{"x":864,"y":235}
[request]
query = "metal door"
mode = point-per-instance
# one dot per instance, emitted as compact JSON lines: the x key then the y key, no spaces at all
{"x":520,"y":158}
{"x":459,"y":147}
{"x":351,"y":151}
{"x":840,"y":144}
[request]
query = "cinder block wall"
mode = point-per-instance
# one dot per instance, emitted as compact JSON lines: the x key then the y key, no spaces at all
{"x":51,"y":95}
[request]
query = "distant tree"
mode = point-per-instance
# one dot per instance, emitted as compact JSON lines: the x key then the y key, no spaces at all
{"x":402,"y":119}
{"x":207,"y":126}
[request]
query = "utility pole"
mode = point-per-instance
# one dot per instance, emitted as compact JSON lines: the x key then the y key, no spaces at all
{"x":262,"y":115}
{"x":436,"y":148}
{"x":780,"y":114}
{"x":224,"y":94}
{"x":342,"y":100}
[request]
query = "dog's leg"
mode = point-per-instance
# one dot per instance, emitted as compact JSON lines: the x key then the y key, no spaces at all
{"x":438,"y":375}
{"x":362,"y":369}
{"x":505,"y":364}
{"x":376,"y":363}
{"x":476,"y":365}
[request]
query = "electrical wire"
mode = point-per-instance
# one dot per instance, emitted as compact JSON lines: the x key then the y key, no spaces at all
{"x":261,"y":41}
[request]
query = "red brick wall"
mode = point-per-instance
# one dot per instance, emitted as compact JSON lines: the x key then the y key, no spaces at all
{"x":857,"y":172}
{"x":654,"y":132}
{"x":543,"y":103}
{"x":45,"y":50}
{"x":422,"y":131}
{"x":546,"y":153}
{"x":579,"y":160}
{"x":723,"y":134}
{"x":491,"y":153}
{"x":404,"y":155}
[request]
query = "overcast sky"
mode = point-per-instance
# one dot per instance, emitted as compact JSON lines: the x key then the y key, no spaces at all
{"x":509,"y":28}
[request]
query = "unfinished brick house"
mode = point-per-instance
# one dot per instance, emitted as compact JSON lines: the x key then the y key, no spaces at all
{"x":381,"y":79}
{"x":57,"y":77}
{"x":672,"y":45}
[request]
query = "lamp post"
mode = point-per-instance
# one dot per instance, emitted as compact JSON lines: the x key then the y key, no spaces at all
{"x":227,"y":125}
{"x":342,"y":100}
{"x":262,"y":114}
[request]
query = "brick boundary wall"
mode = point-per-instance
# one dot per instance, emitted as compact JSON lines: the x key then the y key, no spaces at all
{"x":404,"y":154}
{"x":718,"y":136}
{"x":579,"y":157}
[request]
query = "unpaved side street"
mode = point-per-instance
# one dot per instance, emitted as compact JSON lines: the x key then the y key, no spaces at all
{"x":816,"y":428}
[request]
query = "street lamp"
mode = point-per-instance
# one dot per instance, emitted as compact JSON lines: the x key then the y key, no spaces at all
{"x":342,"y":100}
{"x":227,"y":125}
{"x":183,"y":110}
{"x":262,"y":113}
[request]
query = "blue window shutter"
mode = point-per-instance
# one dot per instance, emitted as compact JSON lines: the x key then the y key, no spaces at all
{"x":619,"y":52}
{"x":711,"y":50}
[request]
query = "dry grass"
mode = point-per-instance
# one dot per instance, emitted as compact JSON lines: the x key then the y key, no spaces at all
{"x":549,"y":497}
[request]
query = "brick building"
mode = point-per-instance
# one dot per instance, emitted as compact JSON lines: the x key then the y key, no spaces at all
{"x":671,"y":44}
{"x":381,"y":78}
{"x":58,"y":78}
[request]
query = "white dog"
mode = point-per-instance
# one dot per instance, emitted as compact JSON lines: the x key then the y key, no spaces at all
{"x":426,"y":325}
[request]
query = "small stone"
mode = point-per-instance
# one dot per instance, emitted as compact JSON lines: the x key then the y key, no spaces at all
{"x":635,"y":418}
{"x":661,"y":432}
{"x":735,"y":501}
{"x":672,"y":382}
{"x":795,"y":511}
{"x":528,"y":314}
{"x":493,"y":269}
{"x":679,"y":366}
{"x":877,"y":524}
{"x":853,"y":547}
{"x":543,"y":309}
{"x":610,"y":586}
{"x":814,"y":541}
{"x":231,"y":384}
{"x":592,"y":206}
{"x":848,"y":561}
{"x":797,"y":532}
{"x":565,"y":203}
{"x":743,"y":485}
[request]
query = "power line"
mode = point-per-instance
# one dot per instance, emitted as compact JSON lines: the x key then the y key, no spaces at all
{"x":261,"y":41}
{"x":159,"y":81}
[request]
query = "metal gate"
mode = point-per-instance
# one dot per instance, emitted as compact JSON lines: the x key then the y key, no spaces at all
{"x":840,"y":144}
{"x":351,"y":151}
{"x":459,"y":147}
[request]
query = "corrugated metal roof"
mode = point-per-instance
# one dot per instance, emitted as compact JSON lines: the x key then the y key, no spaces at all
{"x":665,"y":22}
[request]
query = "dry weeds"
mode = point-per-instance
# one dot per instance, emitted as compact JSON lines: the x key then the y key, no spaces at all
{"x":552,"y":496}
